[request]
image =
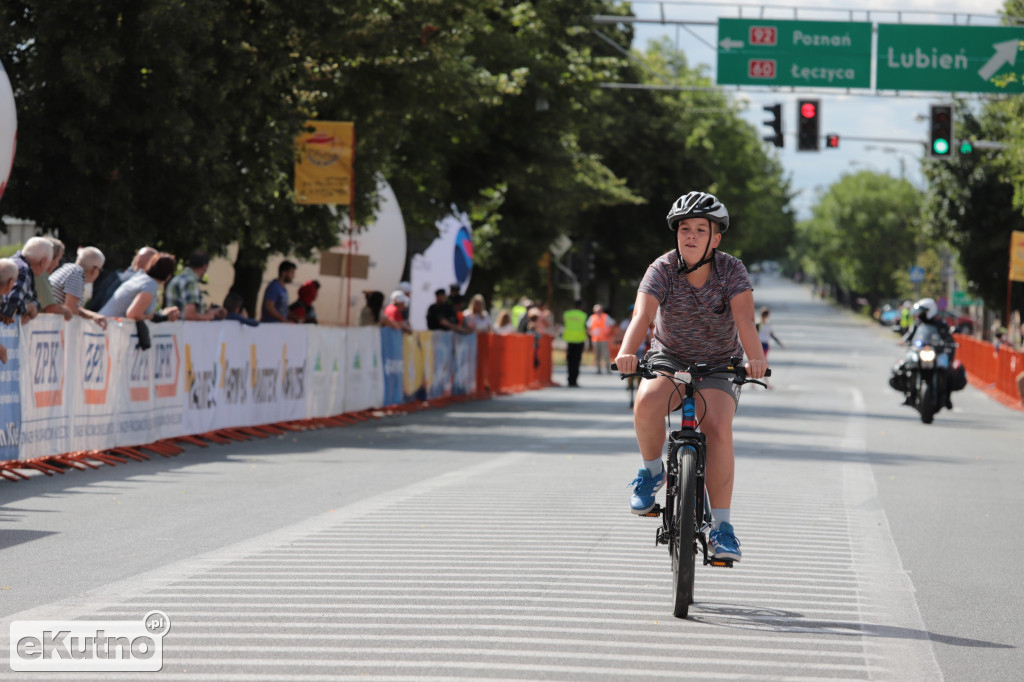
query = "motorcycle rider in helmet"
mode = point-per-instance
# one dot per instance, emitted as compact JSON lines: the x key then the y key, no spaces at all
{"x":926,"y":312}
{"x":701,"y":302}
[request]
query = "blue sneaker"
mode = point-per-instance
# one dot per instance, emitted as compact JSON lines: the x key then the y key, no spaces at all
{"x":646,"y":487}
{"x":724,"y":544}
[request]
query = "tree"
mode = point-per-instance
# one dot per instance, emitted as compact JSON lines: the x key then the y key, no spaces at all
{"x":676,"y":142}
{"x":862,"y":234}
{"x":974,"y":202}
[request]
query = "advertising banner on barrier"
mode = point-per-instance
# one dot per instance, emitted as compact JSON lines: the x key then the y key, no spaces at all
{"x":418,"y":356}
{"x":91,"y":404}
{"x":44,"y":405}
{"x":364,"y":374}
{"x":167,"y":368}
{"x":440,"y":384}
{"x":464,"y":364}
{"x":326,"y":361}
{"x":392,"y":350}
{"x":10,"y":393}
{"x":279,"y":372}
{"x":148,"y":384}
{"x":237,"y":375}
{"x":205,"y":356}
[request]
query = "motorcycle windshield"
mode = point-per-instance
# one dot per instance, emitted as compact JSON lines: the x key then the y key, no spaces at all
{"x":927,"y":335}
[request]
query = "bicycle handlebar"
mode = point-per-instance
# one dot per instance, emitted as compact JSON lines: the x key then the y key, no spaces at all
{"x":697,"y":370}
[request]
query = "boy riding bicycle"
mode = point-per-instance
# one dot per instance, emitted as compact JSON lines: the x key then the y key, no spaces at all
{"x":702,"y":305}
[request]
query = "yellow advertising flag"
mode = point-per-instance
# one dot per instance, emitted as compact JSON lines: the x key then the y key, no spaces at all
{"x":1017,"y":256}
{"x":323,"y":162}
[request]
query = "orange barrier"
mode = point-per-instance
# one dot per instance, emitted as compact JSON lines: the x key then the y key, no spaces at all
{"x":543,"y":366}
{"x":989,"y":370}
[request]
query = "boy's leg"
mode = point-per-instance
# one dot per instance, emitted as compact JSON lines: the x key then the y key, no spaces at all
{"x":716,"y":412}
{"x":649,"y":423}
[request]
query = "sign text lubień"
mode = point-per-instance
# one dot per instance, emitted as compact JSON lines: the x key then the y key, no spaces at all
{"x":949,"y":58}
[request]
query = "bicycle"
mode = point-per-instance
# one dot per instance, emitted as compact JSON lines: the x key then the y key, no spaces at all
{"x":682,"y":529}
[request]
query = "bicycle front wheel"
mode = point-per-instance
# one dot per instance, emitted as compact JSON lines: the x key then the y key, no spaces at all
{"x":684,"y":551}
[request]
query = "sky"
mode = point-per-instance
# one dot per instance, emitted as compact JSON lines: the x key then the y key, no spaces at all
{"x":855,"y":114}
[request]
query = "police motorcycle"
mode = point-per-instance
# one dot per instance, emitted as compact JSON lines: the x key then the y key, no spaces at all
{"x":924,"y":375}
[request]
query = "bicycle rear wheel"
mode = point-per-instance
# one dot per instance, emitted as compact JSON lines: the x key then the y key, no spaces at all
{"x":684,"y":546}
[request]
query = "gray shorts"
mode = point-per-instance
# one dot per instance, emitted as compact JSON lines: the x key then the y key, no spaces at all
{"x":659,"y":359}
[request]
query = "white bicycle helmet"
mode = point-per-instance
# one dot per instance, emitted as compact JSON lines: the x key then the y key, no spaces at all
{"x":698,"y":205}
{"x":926,"y":308}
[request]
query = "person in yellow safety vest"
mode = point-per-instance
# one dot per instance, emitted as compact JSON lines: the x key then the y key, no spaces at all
{"x":906,"y":317}
{"x":574,"y":333}
{"x":519,"y":312}
{"x":601,"y":328}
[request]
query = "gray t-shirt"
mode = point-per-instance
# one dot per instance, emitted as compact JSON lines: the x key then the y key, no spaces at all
{"x":118,"y":304}
{"x":696,"y":325}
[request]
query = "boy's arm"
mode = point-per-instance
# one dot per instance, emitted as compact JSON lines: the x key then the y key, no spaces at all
{"x":742,"y":306}
{"x":644,"y":310}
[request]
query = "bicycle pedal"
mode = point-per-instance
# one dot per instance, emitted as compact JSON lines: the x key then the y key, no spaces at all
{"x":655,"y":511}
{"x":721,"y":563}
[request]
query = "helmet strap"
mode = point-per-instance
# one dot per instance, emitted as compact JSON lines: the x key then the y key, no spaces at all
{"x":686,"y":270}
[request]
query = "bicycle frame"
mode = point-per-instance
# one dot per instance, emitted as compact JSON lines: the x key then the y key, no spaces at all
{"x":687,"y":434}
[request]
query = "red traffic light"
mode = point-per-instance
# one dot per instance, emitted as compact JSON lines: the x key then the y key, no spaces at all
{"x":808,"y":109}
{"x":832,"y":141}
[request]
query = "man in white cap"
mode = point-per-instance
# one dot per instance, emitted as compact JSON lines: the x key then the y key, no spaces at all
{"x":394,"y":312}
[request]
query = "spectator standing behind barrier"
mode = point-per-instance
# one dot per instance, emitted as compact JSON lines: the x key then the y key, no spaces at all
{"x":601,"y":327}
{"x":477,"y":319}
{"x":504,"y":325}
{"x":137,"y":296}
{"x":234,"y":305}
{"x":8,"y":276}
{"x":394,"y":313}
{"x":302,"y":310}
{"x":48,"y":303}
{"x":519,"y":312}
{"x":574,"y":333}
{"x":185,"y":293}
{"x":69,"y":280}
{"x":275,"y":298}
{"x":441,"y":314}
{"x":108,"y":282}
{"x":32,"y":260}
{"x":369,"y":316}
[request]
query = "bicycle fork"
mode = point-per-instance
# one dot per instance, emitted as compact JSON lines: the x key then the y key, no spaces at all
{"x":668,"y":531}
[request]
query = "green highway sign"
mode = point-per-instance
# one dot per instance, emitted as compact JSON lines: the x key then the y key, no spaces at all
{"x":949,"y":58}
{"x":818,"y":54}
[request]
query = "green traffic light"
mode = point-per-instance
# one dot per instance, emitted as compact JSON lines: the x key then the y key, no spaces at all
{"x":965,"y":147}
{"x":940,"y":146}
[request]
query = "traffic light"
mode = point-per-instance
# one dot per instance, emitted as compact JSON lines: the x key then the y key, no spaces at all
{"x":832,"y":141}
{"x":966,"y":147}
{"x":775,"y":124}
{"x":941,"y":131}
{"x":807,"y":125}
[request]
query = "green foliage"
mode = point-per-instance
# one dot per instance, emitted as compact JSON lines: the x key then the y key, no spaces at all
{"x":675,"y":142}
{"x":172,"y":124}
{"x":862,"y":233}
{"x":974,"y":203}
